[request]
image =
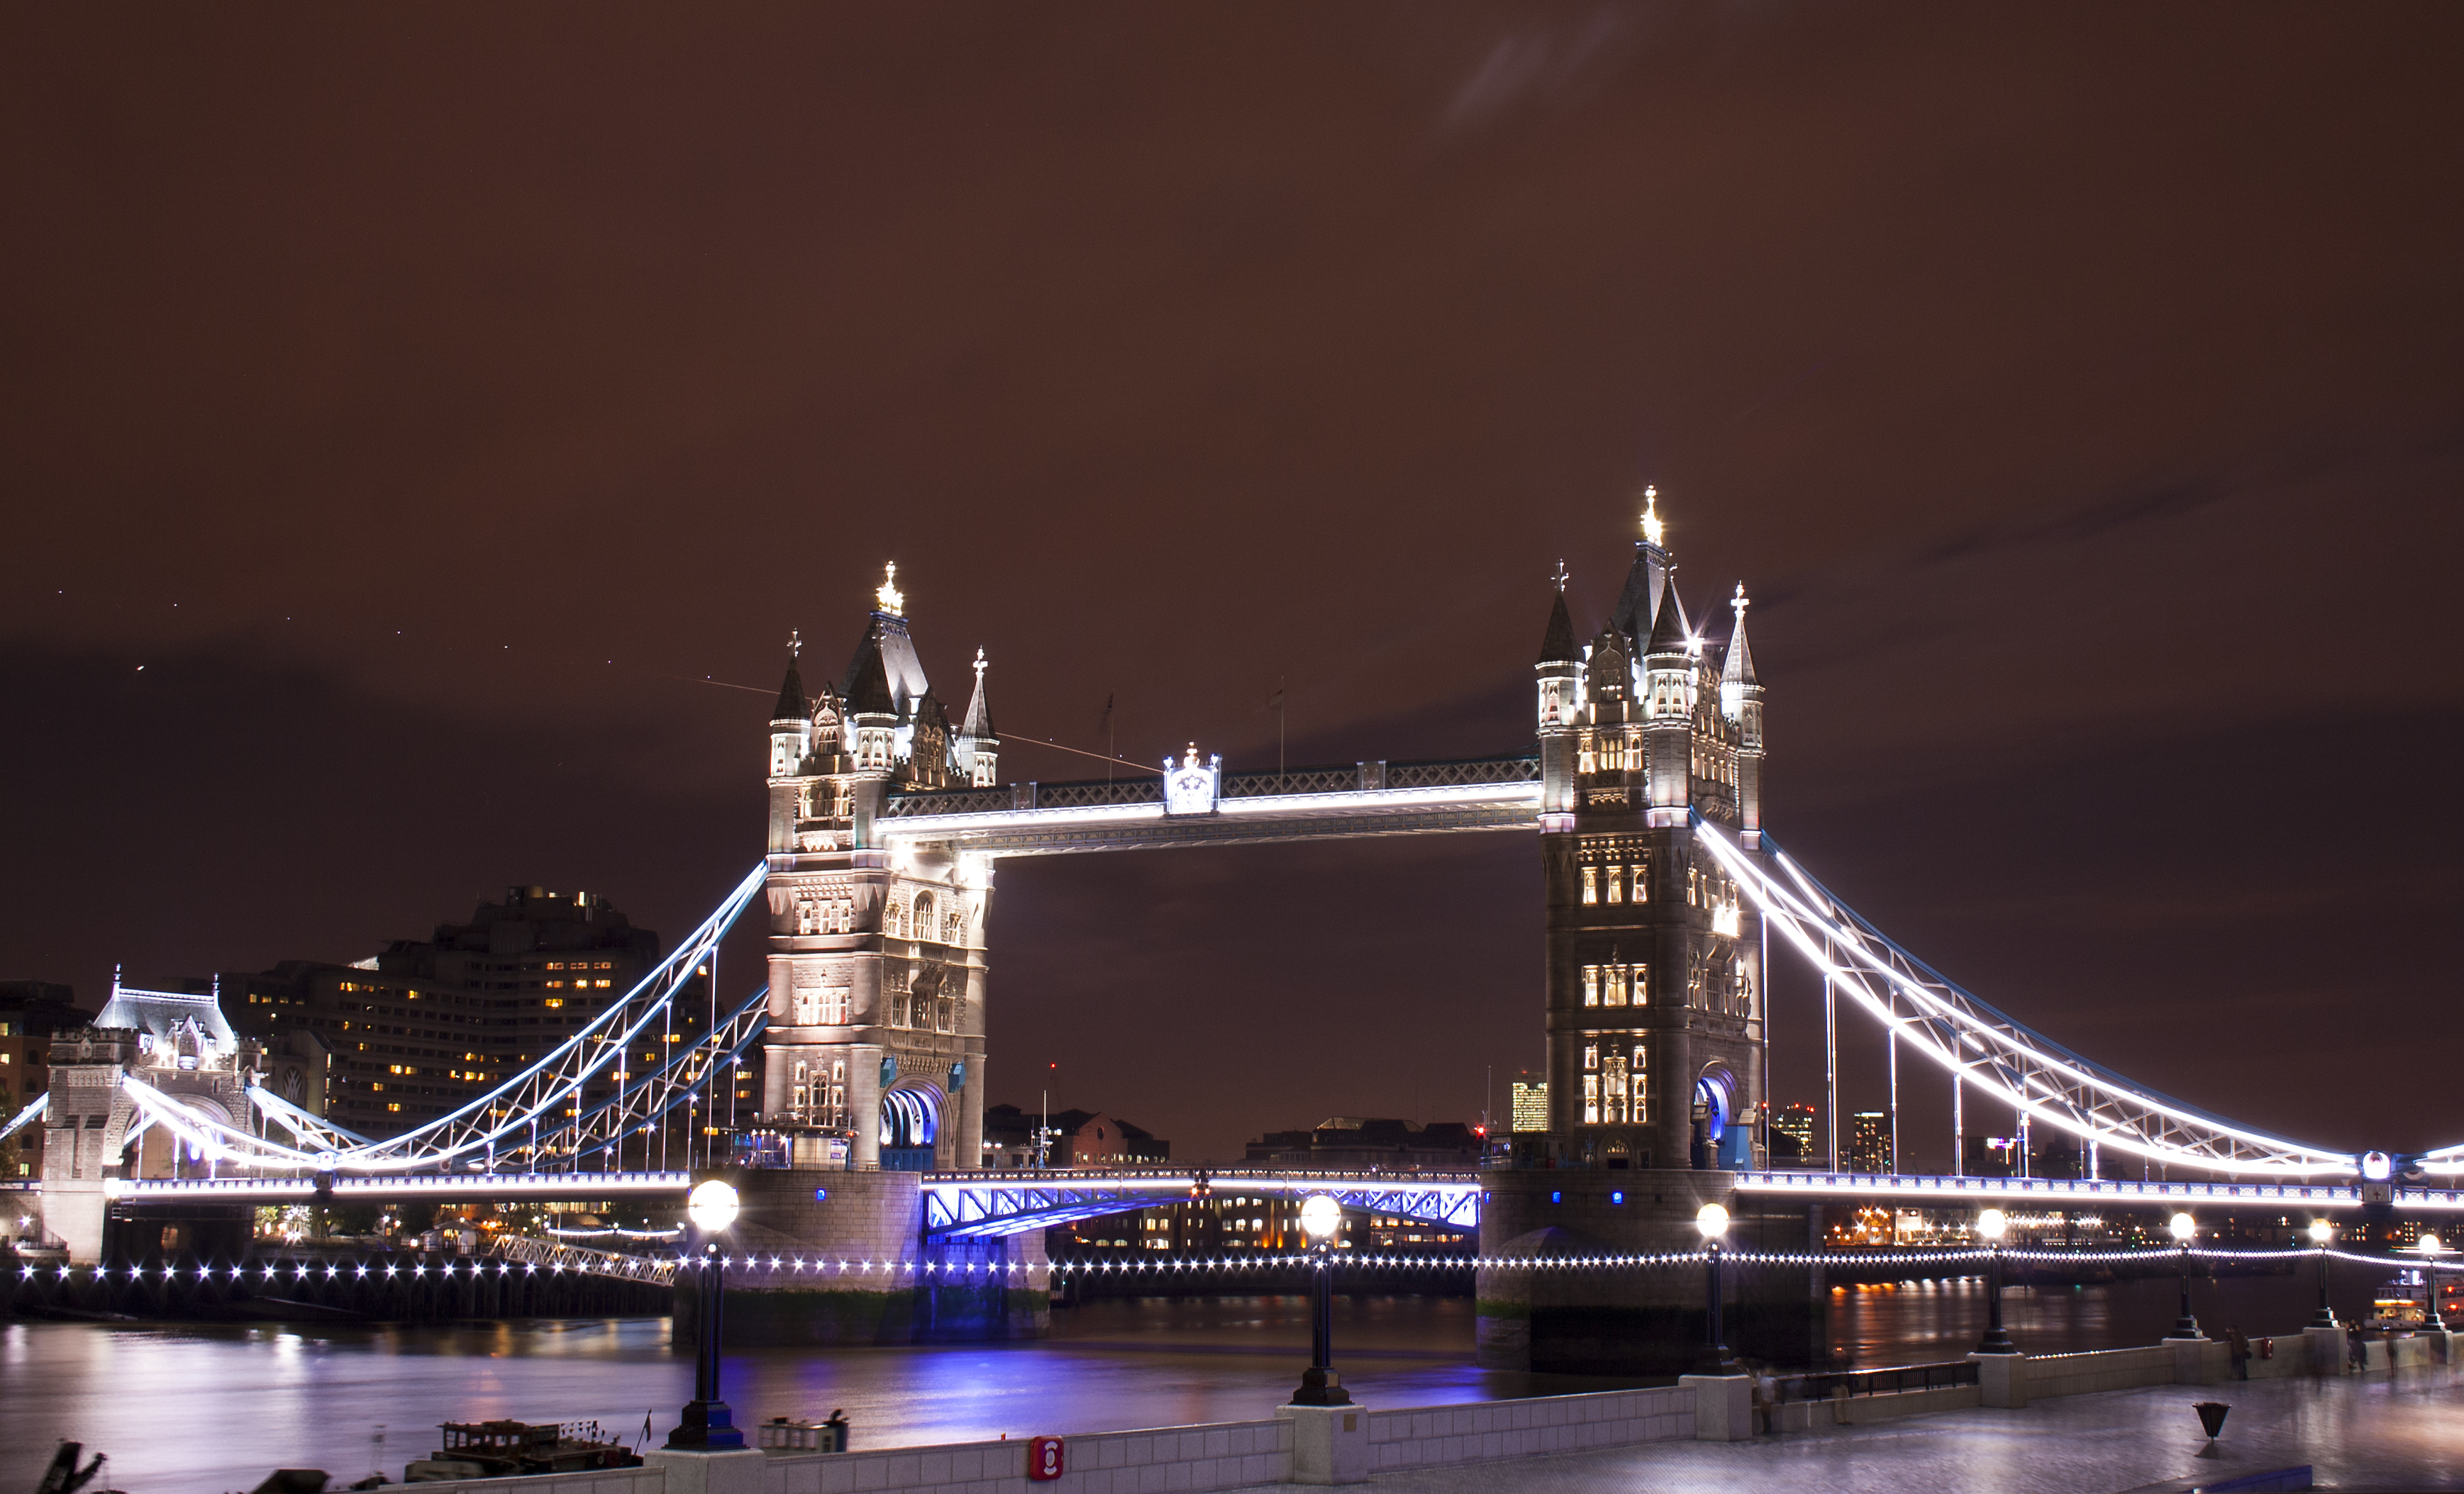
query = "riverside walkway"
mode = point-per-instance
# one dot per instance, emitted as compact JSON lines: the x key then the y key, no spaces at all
{"x":2400,"y":1431}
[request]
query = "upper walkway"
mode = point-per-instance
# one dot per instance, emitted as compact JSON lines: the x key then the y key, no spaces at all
{"x":1199,"y":805}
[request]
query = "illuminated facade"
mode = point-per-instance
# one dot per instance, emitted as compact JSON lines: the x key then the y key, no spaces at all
{"x":1655,"y":989}
{"x":875,"y":1044}
{"x":1531,"y":1112}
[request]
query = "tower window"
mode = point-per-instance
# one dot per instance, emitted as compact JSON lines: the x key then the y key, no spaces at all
{"x":1591,"y":884}
{"x":1614,"y":879}
{"x":1642,"y":882}
{"x":1591,"y":985}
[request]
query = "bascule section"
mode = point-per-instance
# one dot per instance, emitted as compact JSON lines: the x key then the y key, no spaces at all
{"x":1654,"y":992}
{"x":874,"y":1055}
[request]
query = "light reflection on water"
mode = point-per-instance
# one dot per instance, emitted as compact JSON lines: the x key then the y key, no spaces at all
{"x":190,"y":1407}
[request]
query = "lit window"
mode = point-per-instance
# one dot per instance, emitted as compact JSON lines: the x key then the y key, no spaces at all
{"x":554,"y":1001}
{"x":1614,"y":889}
{"x":1642,"y":882}
{"x":1591,"y":985}
{"x":1591,"y":884}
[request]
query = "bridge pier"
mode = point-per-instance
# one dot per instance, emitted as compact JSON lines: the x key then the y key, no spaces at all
{"x":1567,"y":1319}
{"x":869,"y":1274}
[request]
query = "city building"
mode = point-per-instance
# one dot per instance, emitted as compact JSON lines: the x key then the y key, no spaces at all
{"x":1869,"y":1143}
{"x":1531,"y":1113}
{"x":1792,"y":1139}
{"x":1655,"y":997}
{"x":1077,"y":1138}
{"x":1353,"y":1143}
{"x":1223,"y":1220}
{"x":30,"y":1011}
{"x":425,"y":1027}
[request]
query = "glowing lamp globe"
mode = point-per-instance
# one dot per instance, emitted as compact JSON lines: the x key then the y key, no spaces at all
{"x":2430,"y":1245}
{"x":2322,"y":1232}
{"x":711,"y":1206}
{"x":2183,"y":1227}
{"x":1991,"y":1224}
{"x":1712,"y":1220}
{"x":1321,"y":1216}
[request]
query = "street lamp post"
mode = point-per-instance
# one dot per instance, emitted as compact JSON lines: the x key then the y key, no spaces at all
{"x":1713,"y":1221}
{"x":1989,"y":1226}
{"x":2185,"y":1326}
{"x":1320,"y":1386}
{"x":2321,"y":1234}
{"x":707,"y":1425}
{"x":2430,"y":1247}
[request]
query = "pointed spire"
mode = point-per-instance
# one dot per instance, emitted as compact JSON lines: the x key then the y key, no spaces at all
{"x":1740,"y":667}
{"x":1669,"y":634}
{"x":892,"y":600}
{"x":1557,"y":645}
{"x":980,"y":710}
{"x":792,"y":705}
{"x":1638,"y":603}
{"x":1652,"y":528}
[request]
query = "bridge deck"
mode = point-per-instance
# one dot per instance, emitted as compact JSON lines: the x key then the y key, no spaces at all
{"x":1941,"y":1192}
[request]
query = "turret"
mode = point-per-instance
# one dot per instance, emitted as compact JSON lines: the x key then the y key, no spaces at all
{"x":1559,"y":676}
{"x":1741,"y":701}
{"x":791,"y":745}
{"x":978,"y":745}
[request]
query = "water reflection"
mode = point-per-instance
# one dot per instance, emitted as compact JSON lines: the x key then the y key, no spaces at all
{"x":184,"y":1408}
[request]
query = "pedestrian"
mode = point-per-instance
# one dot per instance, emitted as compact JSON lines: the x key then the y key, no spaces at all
{"x":2357,"y":1350}
{"x":2239,"y":1347}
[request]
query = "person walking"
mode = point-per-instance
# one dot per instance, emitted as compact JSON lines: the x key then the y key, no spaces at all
{"x":2239,"y":1348}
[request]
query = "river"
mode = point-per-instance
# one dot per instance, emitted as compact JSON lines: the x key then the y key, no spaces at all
{"x":194,"y":1408}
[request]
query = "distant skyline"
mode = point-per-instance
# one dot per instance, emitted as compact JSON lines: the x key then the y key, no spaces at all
{"x":413,"y":421}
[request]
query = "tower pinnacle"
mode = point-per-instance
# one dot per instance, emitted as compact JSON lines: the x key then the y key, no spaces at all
{"x":887,"y":594}
{"x":1652,"y":528}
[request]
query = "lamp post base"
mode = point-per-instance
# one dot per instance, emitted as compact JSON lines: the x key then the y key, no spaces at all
{"x":1996,"y":1342}
{"x":1321,"y":1388}
{"x":708,"y":1426}
{"x":2324,"y":1317}
{"x":1718,"y":1360}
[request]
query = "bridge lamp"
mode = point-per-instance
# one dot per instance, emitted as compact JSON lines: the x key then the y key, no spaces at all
{"x":1320,"y":1386}
{"x":1991,"y":1224}
{"x":708,"y":1424}
{"x":1712,"y":1221}
{"x":2430,"y":1247}
{"x":2185,"y":1228}
{"x":2322,"y":1235}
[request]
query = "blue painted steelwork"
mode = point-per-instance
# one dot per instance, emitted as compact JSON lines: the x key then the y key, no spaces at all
{"x":981,"y":1206}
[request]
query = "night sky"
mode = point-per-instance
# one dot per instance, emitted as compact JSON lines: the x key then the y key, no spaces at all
{"x":415,"y":419}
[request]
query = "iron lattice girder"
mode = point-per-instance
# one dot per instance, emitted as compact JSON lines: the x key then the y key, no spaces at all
{"x":979,"y":1205}
{"x":1990,"y":1050}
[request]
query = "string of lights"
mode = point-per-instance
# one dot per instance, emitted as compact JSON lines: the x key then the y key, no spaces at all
{"x":662,"y":1264}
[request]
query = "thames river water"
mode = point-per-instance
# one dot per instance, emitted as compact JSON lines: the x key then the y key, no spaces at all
{"x":193,"y":1409}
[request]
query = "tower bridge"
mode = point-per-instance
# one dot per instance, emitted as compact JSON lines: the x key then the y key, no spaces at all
{"x":887,"y":819}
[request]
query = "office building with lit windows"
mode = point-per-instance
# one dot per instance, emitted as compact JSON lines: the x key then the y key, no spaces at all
{"x":1531,"y":1113}
{"x":1869,"y":1143}
{"x":425,"y":1027}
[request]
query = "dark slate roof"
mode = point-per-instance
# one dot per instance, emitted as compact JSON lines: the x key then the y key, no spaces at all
{"x":1557,"y":646}
{"x":792,"y":705}
{"x":867,"y":686}
{"x":1639,"y":602}
{"x":1669,"y":634}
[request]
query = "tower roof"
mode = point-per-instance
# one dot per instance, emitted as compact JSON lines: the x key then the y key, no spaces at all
{"x":1638,"y":603}
{"x":867,"y":685}
{"x":980,"y":710}
{"x":792,"y":705}
{"x":1557,"y":645}
{"x":1669,"y":634}
{"x":1740,"y":666}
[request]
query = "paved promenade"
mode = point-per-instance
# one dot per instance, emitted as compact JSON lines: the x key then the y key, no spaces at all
{"x":2358,"y":1433}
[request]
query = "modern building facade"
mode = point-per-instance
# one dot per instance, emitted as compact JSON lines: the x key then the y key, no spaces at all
{"x":426,"y":1026}
{"x":1352,"y":1143}
{"x":30,"y":1011}
{"x":1655,"y":995}
{"x":875,"y":1046}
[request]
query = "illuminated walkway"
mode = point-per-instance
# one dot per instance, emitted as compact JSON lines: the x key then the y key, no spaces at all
{"x":2358,"y":1432}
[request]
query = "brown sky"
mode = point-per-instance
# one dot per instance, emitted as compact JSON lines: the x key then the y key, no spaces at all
{"x":425,"y":397}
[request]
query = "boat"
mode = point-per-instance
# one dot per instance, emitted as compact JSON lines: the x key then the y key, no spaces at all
{"x":501,"y":1449}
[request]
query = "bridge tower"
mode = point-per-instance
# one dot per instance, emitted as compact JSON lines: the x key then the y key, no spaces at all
{"x":875,"y":1044}
{"x":1655,"y":979}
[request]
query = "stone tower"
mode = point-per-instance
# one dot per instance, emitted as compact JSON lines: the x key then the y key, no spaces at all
{"x":1654,"y":978}
{"x":875,"y":1046}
